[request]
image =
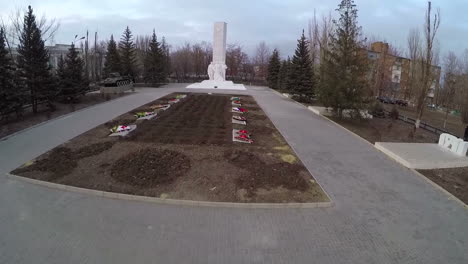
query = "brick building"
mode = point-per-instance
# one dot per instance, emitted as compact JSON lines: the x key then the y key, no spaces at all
{"x":390,"y":74}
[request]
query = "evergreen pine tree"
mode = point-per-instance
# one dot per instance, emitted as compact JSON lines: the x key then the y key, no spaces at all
{"x":72,"y":83}
{"x":9,"y":100}
{"x":301,"y":74}
{"x":344,"y":84}
{"x":60,"y":73}
{"x":166,"y":60}
{"x":33,"y":63}
{"x":287,"y":75}
{"x":274,"y":67}
{"x":283,"y":74}
{"x":127,"y":53}
{"x":153,"y":64}
{"x":112,"y":63}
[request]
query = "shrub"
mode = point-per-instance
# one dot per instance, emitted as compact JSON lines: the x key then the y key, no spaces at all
{"x":377,"y":110}
{"x":394,"y":114}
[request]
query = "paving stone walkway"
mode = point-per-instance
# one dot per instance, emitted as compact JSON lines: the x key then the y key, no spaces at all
{"x":383,"y":212}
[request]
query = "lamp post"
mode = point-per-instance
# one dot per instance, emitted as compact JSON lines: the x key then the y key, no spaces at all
{"x":75,"y":39}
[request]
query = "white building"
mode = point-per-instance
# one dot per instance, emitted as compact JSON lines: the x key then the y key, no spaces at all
{"x":55,"y":52}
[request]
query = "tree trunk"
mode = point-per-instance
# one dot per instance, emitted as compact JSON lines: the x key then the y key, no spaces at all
{"x":33,"y":100}
{"x":446,"y":116}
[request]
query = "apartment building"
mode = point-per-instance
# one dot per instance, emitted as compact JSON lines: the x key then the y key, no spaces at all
{"x":390,"y":74}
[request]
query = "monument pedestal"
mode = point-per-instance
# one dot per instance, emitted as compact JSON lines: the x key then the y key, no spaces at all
{"x":224,"y":85}
{"x":217,"y":68}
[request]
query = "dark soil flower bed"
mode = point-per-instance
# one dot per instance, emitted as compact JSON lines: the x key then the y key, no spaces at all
{"x":186,"y":152}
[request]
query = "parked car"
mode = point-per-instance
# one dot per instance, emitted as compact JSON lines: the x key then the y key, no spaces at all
{"x":386,"y":100}
{"x":401,"y":102}
{"x":431,"y":106}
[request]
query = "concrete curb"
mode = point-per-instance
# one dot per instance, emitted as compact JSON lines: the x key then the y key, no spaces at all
{"x":128,"y":197}
{"x":282,"y":95}
{"x":315,"y":111}
{"x":451,"y":196}
{"x":440,"y":188}
{"x":295,"y":152}
{"x":392,"y":155}
{"x":60,"y":117}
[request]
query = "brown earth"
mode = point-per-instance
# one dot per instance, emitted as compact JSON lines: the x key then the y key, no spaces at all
{"x":185,"y":153}
{"x":29,"y":119}
{"x":150,"y":167}
{"x":272,"y":176}
{"x":435,"y":118}
{"x":387,"y":130}
{"x":453,"y":180}
{"x":201,"y":120}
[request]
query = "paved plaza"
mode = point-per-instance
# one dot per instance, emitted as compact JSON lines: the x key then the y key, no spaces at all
{"x":382,"y":213}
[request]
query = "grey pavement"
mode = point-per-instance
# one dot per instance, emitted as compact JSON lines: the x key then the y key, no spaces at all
{"x":383,"y":212}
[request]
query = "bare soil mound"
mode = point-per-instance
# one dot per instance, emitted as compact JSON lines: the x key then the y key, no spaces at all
{"x":150,"y":167}
{"x":263,"y":175}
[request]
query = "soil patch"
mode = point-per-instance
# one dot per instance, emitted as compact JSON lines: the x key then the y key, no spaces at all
{"x":434,"y":118}
{"x":267,"y":176}
{"x":150,"y":167}
{"x":29,"y":119}
{"x":59,"y":162}
{"x":93,"y":149}
{"x":201,"y":119}
{"x":387,"y":130}
{"x":453,"y":180}
{"x":186,"y":152}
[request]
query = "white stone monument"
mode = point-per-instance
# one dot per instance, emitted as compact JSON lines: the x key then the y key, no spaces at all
{"x":217,"y":68}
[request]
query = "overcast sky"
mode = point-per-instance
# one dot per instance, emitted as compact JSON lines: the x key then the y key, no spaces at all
{"x":277,"y":22}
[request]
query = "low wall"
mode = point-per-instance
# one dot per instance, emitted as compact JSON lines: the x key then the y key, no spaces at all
{"x":116,"y":89}
{"x":320,"y":110}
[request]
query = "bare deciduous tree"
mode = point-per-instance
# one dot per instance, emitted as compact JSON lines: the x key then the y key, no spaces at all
{"x":461,"y":100}
{"x":262,"y":56}
{"x":48,"y":27}
{"x":314,"y":40}
{"x":181,"y":62}
{"x":235,"y":59}
{"x":323,"y":37}
{"x":451,"y":77}
{"x":201,"y":57}
{"x":414,"y":54}
{"x":427,"y":75}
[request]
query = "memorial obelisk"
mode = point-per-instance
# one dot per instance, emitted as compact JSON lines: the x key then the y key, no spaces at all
{"x":217,"y":68}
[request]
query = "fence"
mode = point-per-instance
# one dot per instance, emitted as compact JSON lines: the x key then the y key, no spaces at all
{"x":422,"y":125}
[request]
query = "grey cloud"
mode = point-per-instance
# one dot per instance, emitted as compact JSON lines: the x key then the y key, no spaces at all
{"x":278,"y":22}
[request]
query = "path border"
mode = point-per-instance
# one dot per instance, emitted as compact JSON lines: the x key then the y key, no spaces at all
{"x":139,"y":198}
{"x":440,"y":188}
{"x":62,"y":116}
{"x":128,"y":197}
{"x":295,"y":152}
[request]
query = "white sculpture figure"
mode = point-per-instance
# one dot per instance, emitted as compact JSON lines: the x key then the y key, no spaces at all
{"x":454,"y":144}
{"x":217,"y":68}
{"x":211,"y":71}
{"x":219,"y":72}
